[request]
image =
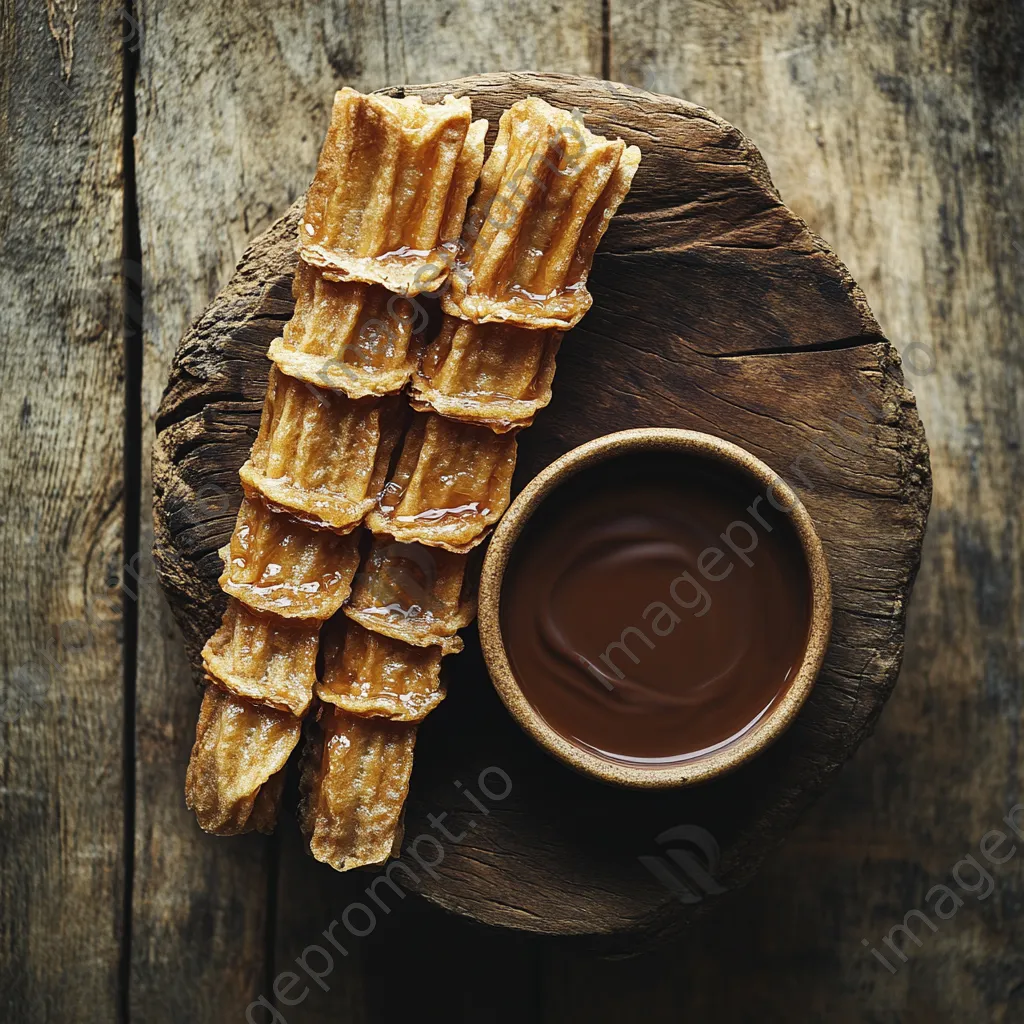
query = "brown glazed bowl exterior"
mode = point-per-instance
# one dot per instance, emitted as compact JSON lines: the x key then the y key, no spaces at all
{"x":701,"y":768}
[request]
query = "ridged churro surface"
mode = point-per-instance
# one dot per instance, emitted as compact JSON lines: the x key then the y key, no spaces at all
{"x":367,"y":673}
{"x":275,"y":564}
{"x":236,"y":771}
{"x":496,"y":375}
{"x":320,"y":456}
{"x":414,"y":593}
{"x":547,"y":192}
{"x":450,"y":485}
{"x":264,"y":658}
{"x":352,"y":337}
{"x":355,"y":778}
{"x":389,"y":196}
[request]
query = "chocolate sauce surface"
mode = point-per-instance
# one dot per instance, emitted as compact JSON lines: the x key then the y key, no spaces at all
{"x":655,"y":607}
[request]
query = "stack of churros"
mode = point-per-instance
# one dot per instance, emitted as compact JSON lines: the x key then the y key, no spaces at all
{"x":352,"y":565}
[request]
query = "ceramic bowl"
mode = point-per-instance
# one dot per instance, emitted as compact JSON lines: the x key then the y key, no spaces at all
{"x":702,"y":767}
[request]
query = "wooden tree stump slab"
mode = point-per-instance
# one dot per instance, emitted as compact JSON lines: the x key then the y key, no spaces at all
{"x":715,"y":309}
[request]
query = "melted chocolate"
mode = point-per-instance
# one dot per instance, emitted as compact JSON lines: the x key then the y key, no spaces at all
{"x":634,"y":628}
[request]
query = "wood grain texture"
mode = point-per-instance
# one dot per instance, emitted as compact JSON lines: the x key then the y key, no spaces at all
{"x":233,"y":103}
{"x":62,"y":513}
{"x":714,"y":309}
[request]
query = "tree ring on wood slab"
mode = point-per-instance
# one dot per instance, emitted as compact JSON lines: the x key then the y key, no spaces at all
{"x":715,"y":309}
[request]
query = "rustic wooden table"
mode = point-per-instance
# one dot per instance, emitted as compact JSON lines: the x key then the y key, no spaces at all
{"x":143,"y":145}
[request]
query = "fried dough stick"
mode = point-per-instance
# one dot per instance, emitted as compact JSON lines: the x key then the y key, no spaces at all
{"x":389,"y":196}
{"x":355,"y":778}
{"x":547,"y":193}
{"x":236,"y":772}
{"x":378,"y":684}
{"x":476,"y":385}
{"x":384,"y":210}
{"x":450,"y":485}
{"x":493,"y":375}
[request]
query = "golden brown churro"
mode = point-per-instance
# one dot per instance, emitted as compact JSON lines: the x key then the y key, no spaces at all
{"x":321,"y":456}
{"x":264,"y":658}
{"x":369,"y":673}
{"x":547,"y":193}
{"x":353,"y":337}
{"x":236,"y":771}
{"x":450,"y":485}
{"x":276,"y":564}
{"x":413,"y":593}
{"x":494,"y":375}
{"x":391,"y":189}
{"x":355,"y":777}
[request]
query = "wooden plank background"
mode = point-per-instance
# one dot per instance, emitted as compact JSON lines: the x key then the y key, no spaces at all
{"x":62,"y":505}
{"x":167,"y":134}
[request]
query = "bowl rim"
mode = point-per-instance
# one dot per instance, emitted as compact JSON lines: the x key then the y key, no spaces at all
{"x":700,"y":768}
